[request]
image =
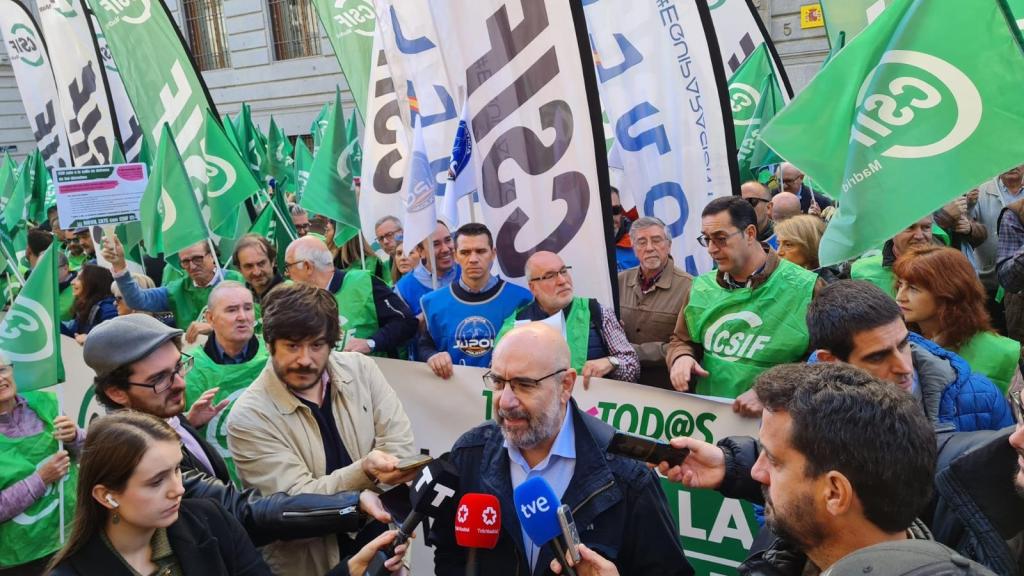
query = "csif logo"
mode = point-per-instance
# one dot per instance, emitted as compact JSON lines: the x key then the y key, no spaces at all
{"x":743,"y":99}
{"x":220,"y":176}
{"x":354,"y":17}
{"x":25,"y":45}
{"x":732,"y":345}
{"x":168,"y":212}
{"x":901,"y":86}
{"x":129,"y":11}
{"x":25,"y":335}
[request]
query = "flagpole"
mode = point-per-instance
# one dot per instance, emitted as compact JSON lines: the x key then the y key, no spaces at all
{"x":273,"y":206}
{"x":12,"y":264}
{"x":472,"y":207}
{"x":433,"y":262}
{"x":60,"y":446}
{"x":362,"y":251}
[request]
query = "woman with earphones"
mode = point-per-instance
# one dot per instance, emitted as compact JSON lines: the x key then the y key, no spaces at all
{"x":131,"y":518}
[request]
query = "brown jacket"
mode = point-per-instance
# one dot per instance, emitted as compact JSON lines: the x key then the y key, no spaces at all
{"x":649,"y":319}
{"x":681,"y":344}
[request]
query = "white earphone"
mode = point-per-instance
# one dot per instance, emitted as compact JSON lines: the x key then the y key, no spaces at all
{"x":111,"y":501}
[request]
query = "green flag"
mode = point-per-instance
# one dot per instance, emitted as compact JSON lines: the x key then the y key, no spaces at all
{"x":30,"y":332}
{"x":907,"y":117}
{"x":303,"y":163}
{"x":40,"y":184}
{"x":329,"y":190}
{"x":349,"y":25}
{"x":14,"y":210}
{"x":271,"y":227}
{"x":849,"y":18}
{"x":170,"y":215}
{"x":281,"y":162}
{"x":319,"y":125}
{"x":230,"y":181}
{"x":754,"y":102}
{"x":355,"y":157}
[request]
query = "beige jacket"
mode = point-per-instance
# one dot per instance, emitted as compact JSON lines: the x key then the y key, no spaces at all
{"x":277,"y":446}
{"x":649,"y":319}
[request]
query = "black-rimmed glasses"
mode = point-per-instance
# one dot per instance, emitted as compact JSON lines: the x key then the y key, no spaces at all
{"x":518,"y":384}
{"x":718,"y":239}
{"x":162,"y":382}
{"x":564,"y":271}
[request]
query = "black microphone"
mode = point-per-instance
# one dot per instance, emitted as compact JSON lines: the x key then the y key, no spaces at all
{"x":432,"y":496}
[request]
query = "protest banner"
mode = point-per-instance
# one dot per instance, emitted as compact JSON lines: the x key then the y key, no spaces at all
{"x":99,"y":195}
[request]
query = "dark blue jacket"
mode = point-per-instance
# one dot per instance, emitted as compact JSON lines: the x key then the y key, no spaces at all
{"x":103,"y":310}
{"x":618,"y":505}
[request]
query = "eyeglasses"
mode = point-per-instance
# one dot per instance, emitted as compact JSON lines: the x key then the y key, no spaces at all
{"x":717,"y":239}
{"x":565,"y":271}
{"x":518,"y":384}
{"x":302,"y":227}
{"x":288,"y":265}
{"x":6,"y":369}
{"x":161,"y":382}
{"x":395,"y":235}
{"x":193,"y":262}
{"x":755,"y":201}
{"x":1018,"y":407}
{"x":788,"y":181}
{"x":656,"y":241}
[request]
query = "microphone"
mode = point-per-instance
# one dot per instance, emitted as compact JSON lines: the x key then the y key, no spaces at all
{"x":477,"y":525}
{"x":432,"y":495}
{"x":537,"y":507}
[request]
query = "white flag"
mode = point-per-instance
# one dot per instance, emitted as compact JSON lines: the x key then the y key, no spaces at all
{"x":461,"y":172}
{"x":418,"y":194}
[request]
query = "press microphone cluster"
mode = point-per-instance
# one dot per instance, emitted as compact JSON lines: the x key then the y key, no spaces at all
{"x":432,"y":496}
{"x":477,"y":525}
{"x":546,"y":520}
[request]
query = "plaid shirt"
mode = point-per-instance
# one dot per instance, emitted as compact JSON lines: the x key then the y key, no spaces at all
{"x":619,"y":346}
{"x":1010,"y":253}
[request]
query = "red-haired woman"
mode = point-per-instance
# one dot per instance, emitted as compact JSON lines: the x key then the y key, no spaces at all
{"x":943,"y":299}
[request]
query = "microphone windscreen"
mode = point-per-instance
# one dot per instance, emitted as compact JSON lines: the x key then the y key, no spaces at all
{"x":433,"y":491}
{"x":536,"y":506}
{"x":478,"y":521}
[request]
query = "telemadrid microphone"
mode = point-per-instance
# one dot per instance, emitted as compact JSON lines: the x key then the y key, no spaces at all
{"x":537,"y":508}
{"x":432,"y":495}
{"x":477,"y":525}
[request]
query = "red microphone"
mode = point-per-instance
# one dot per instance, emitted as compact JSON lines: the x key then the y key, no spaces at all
{"x":477,"y":525}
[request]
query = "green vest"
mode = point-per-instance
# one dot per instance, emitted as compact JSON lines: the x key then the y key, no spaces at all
{"x":994,"y":356}
{"x":35,"y":532}
{"x":745,"y":332}
{"x":577,"y":330}
{"x":67,"y":303}
{"x":75,"y":262}
{"x":187,"y":300}
{"x":372,"y":264}
{"x":232,"y":379}
{"x":871,"y":269}
{"x":357,"y":312}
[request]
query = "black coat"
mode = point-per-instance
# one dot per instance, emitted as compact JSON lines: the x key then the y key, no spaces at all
{"x":206,"y":540}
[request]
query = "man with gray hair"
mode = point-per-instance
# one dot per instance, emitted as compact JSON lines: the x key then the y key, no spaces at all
{"x":650,"y":297}
{"x":792,"y":180}
{"x":389,"y":234}
{"x":373,"y":318}
{"x":785,"y":205}
{"x":300,"y":219}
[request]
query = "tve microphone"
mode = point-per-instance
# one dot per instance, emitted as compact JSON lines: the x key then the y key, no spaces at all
{"x":477,"y":525}
{"x":537,"y":508}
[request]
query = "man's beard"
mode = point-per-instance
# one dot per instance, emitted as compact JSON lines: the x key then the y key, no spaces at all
{"x":539,"y":427}
{"x":282,"y":374}
{"x":797,"y":524}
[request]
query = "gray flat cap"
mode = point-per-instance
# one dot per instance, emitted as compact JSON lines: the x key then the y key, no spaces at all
{"x":124,"y":340}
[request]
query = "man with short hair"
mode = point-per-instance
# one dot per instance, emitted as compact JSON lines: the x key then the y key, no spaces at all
{"x":231,"y":359}
{"x":833,"y":513}
{"x":184,"y":297}
{"x":597,"y":343}
{"x":375,"y":318}
{"x":784,"y":205}
{"x":1009,"y":253}
{"x":877,"y":269}
{"x":414,"y":285}
{"x":81,"y":249}
{"x":540,"y":432}
{"x":793,"y":182}
{"x":650,"y":297}
{"x":743,"y":318}
{"x":315,"y":421}
{"x":388,"y":231}
{"x":139,"y":366}
{"x":854,"y":322}
{"x":256,"y":258}
{"x":300,"y":219}
{"x":761,"y":199}
{"x":38,"y":242}
{"x":462,"y":319}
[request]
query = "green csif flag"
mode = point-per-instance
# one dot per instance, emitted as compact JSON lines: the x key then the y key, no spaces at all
{"x":849,"y":17}
{"x":269,"y":225}
{"x":253,"y":148}
{"x":755,"y":98}
{"x":330,"y":191}
{"x":907,"y":117}
{"x":280,"y":156}
{"x":319,"y":125}
{"x":14,"y":208}
{"x":350,"y":25}
{"x":171,"y":219}
{"x":302,"y":165}
{"x":230,"y":181}
{"x":30,"y":332}
{"x":355,"y":157}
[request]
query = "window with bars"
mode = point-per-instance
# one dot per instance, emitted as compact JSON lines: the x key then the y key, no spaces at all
{"x":204,"y":21}
{"x":295,"y":29}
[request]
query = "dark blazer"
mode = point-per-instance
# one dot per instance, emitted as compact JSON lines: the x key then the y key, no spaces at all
{"x":205,"y":539}
{"x":189,"y":462}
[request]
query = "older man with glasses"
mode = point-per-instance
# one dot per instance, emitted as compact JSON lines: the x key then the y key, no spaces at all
{"x":185,"y":297}
{"x":597,"y":342}
{"x":744,"y":317}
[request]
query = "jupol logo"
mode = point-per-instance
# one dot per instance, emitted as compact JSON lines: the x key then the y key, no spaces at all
{"x":733,"y":345}
{"x":474,"y":336}
{"x":744,"y":100}
{"x":25,"y":318}
{"x":880,"y":113}
{"x":24,"y":43}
